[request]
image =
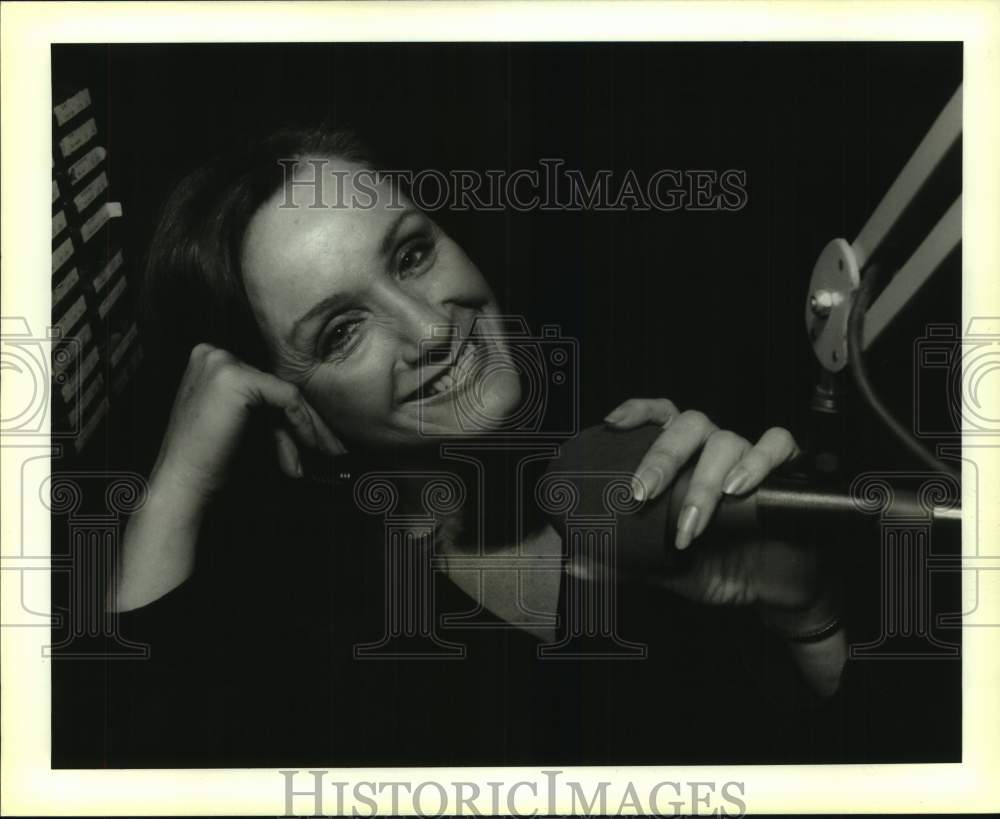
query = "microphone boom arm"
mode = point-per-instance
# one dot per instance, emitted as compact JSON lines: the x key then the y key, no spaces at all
{"x":837,"y":273}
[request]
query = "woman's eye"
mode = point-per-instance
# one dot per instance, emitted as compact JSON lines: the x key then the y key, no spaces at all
{"x":413,"y":258}
{"x":338,"y":337}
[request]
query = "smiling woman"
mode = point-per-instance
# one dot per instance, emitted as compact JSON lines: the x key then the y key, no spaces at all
{"x":353,"y":300}
{"x":356,"y":336}
{"x":363,"y":328}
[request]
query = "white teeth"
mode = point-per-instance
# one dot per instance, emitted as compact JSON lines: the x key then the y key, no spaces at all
{"x":466,"y":356}
{"x":454,"y":374}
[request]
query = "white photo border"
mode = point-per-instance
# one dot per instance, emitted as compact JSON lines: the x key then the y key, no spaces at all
{"x":30,"y":786}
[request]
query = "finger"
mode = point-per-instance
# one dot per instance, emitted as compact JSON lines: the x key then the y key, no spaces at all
{"x":328,"y":441}
{"x":775,"y":447}
{"x":722,"y":451}
{"x":264,"y":388}
{"x":638,"y":411}
{"x":684,"y":436}
{"x":288,"y":453}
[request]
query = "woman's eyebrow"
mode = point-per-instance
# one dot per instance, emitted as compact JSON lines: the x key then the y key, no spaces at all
{"x":328,"y":305}
{"x":389,"y":237}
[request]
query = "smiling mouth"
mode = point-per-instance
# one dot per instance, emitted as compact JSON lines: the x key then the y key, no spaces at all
{"x":450,"y":377}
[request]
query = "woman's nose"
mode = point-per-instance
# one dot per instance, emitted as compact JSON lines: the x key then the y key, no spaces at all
{"x":426,"y":329}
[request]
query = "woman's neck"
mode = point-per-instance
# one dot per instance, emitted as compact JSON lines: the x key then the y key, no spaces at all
{"x":497,"y":547}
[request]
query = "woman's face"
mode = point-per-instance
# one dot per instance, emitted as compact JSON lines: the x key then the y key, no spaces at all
{"x":374,"y":313}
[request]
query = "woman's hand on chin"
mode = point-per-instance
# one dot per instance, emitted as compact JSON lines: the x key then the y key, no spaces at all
{"x":217,"y":395}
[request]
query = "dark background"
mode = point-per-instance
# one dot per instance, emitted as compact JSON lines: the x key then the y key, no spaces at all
{"x":704,"y":308}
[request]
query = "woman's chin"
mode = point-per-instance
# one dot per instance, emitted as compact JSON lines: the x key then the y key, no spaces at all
{"x":490,"y":405}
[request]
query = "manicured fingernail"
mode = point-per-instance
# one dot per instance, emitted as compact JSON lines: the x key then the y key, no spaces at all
{"x":645,"y":484}
{"x":702,"y":526}
{"x":614,"y":417}
{"x":736,"y":480}
{"x":685,"y":526}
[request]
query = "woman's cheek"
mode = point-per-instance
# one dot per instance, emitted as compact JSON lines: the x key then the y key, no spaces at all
{"x":355,"y":406}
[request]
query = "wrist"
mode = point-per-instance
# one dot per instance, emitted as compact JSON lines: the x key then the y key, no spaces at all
{"x":158,"y":550}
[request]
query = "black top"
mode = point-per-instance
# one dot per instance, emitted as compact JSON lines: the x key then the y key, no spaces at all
{"x":252,"y":665}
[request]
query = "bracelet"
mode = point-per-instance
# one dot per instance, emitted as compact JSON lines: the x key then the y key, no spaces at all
{"x":829,"y":626}
{"x":816,"y":635}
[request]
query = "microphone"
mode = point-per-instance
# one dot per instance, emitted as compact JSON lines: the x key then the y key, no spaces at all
{"x":594,"y":467}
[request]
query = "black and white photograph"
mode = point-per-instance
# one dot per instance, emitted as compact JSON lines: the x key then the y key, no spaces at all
{"x":449,"y":403}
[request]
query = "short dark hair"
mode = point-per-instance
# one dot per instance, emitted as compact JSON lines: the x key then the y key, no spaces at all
{"x":192,"y":287}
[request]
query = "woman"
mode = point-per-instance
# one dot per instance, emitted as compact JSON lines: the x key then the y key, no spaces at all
{"x":310,"y":294}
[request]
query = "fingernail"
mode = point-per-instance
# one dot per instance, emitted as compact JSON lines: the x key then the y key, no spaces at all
{"x":615,"y":417}
{"x":685,"y":526}
{"x":702,"y":526}
{"x":736,"y":480}
{"x":298,"y":468}
{"x":644,"y":486}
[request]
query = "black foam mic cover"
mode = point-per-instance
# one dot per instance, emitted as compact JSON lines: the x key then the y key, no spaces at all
{"x":789,"y":504}
{"x":598,"y":464}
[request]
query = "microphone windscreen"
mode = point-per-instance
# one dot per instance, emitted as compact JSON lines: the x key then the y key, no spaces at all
{"x":598,"y":463}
